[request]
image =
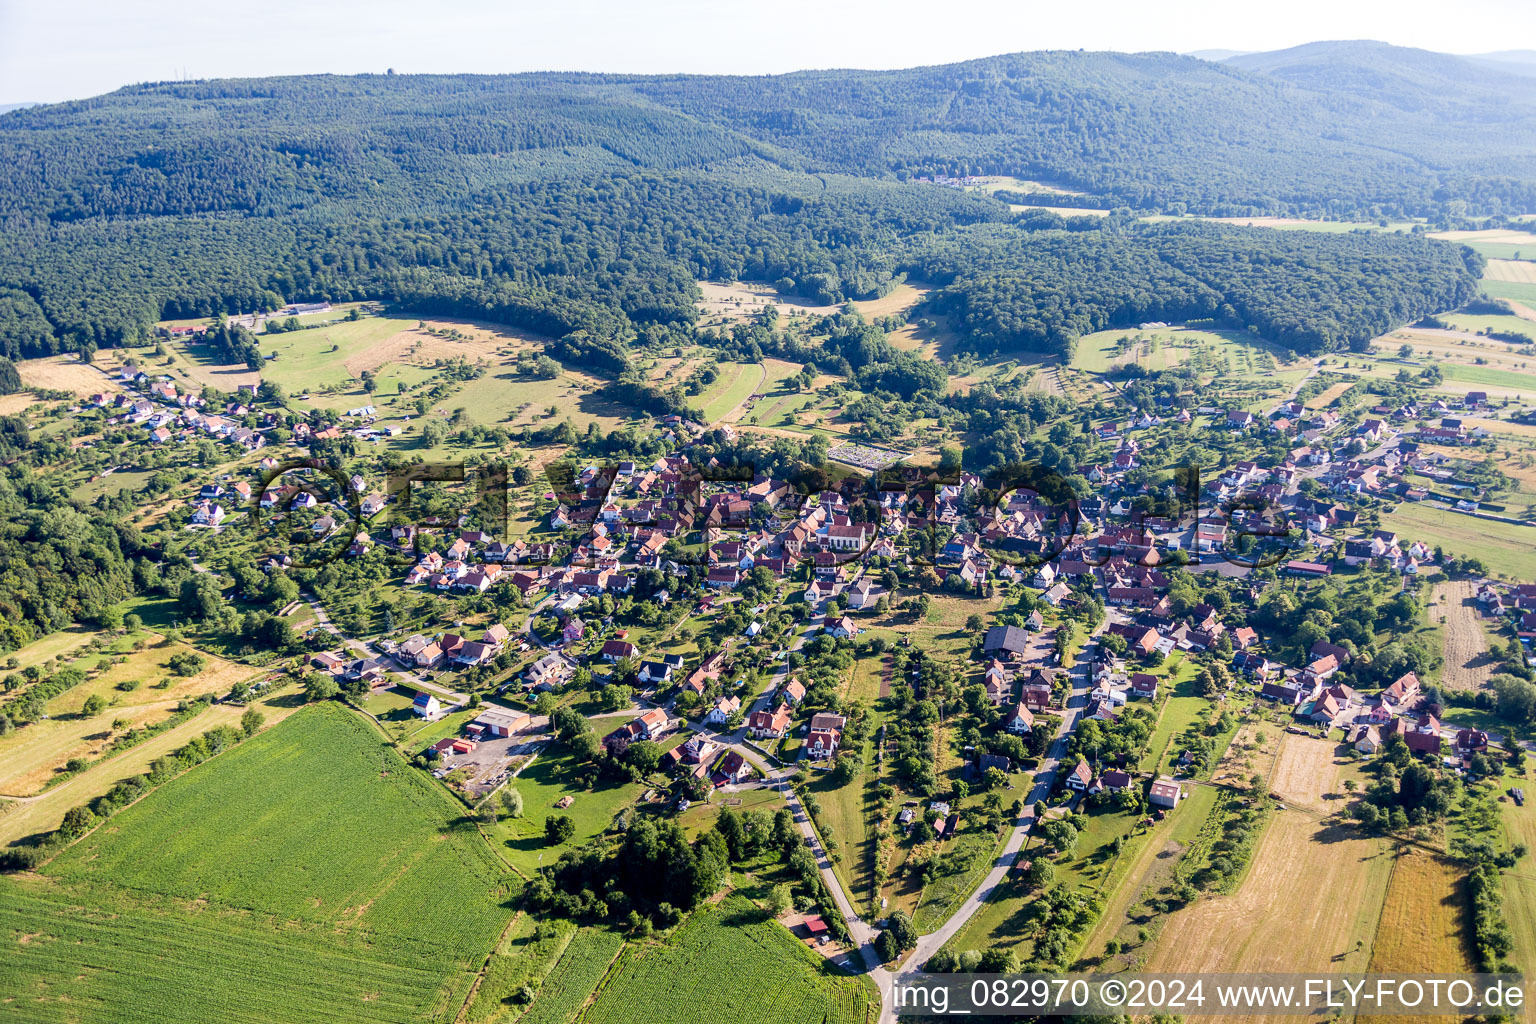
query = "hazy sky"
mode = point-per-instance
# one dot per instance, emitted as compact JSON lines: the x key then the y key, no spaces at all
{"x":63,"y":49}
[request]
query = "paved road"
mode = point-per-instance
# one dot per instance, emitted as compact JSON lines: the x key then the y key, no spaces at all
{"x":358,"y":647}
{"x":1050,"y":764}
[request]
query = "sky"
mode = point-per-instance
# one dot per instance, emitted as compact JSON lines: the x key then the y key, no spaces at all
{"x":53,"y":50}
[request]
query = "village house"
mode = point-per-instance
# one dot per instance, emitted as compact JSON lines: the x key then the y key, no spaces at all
{"x":1022,"y":720}
{"x":769,"y":724}
{"x":427,"y":706}
{"x":723,"y":709}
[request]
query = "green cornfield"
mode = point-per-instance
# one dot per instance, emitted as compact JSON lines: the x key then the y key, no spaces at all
{"x":307,"y":874}
{"x":733,"y":960}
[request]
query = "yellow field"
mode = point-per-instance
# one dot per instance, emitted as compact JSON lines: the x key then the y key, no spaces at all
{"x":32,"y":755}
{"x":903,"y":296}
{"x":1324,"y":399}
{"x":1512,"y":271}
{"x":1502,"y":427}
{"x":1424,"y":923}
{"x":20,"y":818}
{"x":65,"y":373}
{"x":1502,"y":236}
{"x":10,"y":405}
{"x":1318,"y":885}
{"x":1423,"y":926}
{"x":1467,"y":664}
{"x":1064,"y":211}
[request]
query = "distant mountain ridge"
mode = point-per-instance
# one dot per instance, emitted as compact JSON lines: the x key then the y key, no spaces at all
{"x":1331,"y":127}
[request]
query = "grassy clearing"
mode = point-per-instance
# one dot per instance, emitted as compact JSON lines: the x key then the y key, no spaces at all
{"x":740,"y":964}
{"x":1507,"y":549}
{"x":846,"y":810}
{"x":312,"y":850}
{"x":736,"y":382}
{"x":505,"y":397}
{"x":552,"y":777}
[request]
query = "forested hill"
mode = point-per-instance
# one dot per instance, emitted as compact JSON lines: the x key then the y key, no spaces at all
{"x":590,"y":204}
{"x":1304,"y":131}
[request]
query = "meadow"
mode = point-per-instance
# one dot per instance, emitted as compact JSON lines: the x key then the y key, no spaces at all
{"x":1507,"y":549}
{"x":552,"y":776}
{"x":734,"y":960}
{"x":131,"y":672}
{"x":311,"y":849}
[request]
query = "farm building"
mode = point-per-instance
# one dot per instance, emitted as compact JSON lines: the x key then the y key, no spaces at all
{"x":1164,"y":793}
{"x":500,"y":722}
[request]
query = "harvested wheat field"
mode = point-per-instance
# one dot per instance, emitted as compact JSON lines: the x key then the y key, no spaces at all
{"x":1299,"y":861}
{"x":903,"y":296}
{"x":1512,"y":271}
{"x":10,"y":405}
{"x":1307,"y":774}
{"x":1326,"y":398}
{"x":1467,"y":664}
{"x":64,"y":373}
{"x":1284,"y":916}
{"x":1423,"y":927}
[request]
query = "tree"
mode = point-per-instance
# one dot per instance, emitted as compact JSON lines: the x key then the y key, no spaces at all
{"x":644,"y":756}
{"x":780,"y":900}
{"x":973,"y":623}
{"x":843,"y":770}
{"x":512,"y":802}
{"x":94,"y":705}
{"x":200,"y":597}
{"x":898,"y":937}
{"x":319,"y":686}
{"x":558,"y":828}
{"x":252,"y":721}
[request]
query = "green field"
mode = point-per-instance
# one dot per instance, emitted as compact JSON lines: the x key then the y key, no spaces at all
{"x":735,"y":962}
{"x":1518,"y":290}
{"x":1506,"y":548}
{"x":574,"y":977}
{"x":1182,"y":708}
{"x":554,"y":775}
{"x":311,"y":853}
{"x":730,"y":389}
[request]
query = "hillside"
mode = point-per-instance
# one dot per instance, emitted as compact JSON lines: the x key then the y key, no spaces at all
{"x":564,"y":203}
{"x":1463,"y":94}
{"x":1148,"y":130}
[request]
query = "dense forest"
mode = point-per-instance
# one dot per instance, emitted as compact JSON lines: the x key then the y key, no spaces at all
{"x":584,"y":207}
